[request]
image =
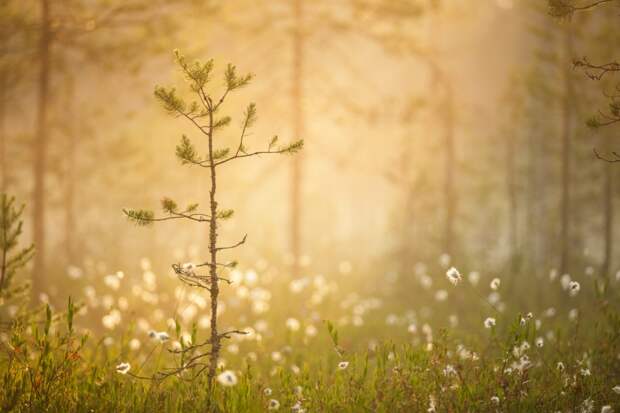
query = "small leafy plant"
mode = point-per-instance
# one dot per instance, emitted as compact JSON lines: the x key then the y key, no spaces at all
{"x":42,"y":356}
{"x":203,"y":113}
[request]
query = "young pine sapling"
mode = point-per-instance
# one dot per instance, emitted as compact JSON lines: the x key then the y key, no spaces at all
{"x":11,"y":257}
{"x":203,"y":114}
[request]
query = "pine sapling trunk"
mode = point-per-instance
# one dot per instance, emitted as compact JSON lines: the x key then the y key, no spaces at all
{"x":215,"y":338}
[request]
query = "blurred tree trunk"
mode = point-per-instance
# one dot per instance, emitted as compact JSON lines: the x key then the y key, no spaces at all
{"x":544,"y":102}
{"x":536,"y":213}
{"x":511,"y":192}
{"x":40,"y":148}
{"x":298,"y":131}
{"x":609,"y":169}
{"x":447,"y":117}
{"x":3,"y":145}
{"x":408,"y":244}
{"x":529,"y":233}
{"x":408,"y":240}
{"x":567,"y":113}
{"x":449,"y":188}
{"x":69,"y":198}
{"x":608,"y":211}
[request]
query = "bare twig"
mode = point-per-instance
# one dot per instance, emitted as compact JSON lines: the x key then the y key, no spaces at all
{"x":562,"y":8}
{"x":615,"y":156}
{"x":234,"y":245}
{"x":596,"y":72}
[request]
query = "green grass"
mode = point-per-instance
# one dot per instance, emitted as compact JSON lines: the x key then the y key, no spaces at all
{"x":51,"y":363}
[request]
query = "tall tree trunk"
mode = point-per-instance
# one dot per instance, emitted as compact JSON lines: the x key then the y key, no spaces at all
{"x":511,"y":191}
{"x":40,"y":148}
{"x":408,"y":248}
{"x":529,"y":233}
{"x":535,"y":204}
{"x":298,"y":130}
{"x":567,"y":102}
{"x":408,"y":244}
{"x":447,"y":116}
{"x":70,"y":196}
{"x":3,"y":145}
{"x":608,"y":178}
{"x":449,"y":188}
{"x":608,"y":222}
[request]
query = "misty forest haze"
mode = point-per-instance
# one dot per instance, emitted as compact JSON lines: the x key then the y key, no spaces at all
{"x":309,"y":205}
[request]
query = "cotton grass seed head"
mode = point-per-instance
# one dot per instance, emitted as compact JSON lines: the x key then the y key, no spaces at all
{"x":474,"y":278}
{"x":227,"y":378}
{"x":454,"y":276}
{"x":297,"y":407}
{"x":449,"y":370}
{"x":123,"y":368}
{"x":489,"y":322}
{"x":162,"y":336}
{"x":188,"y":266}
{"x":495,"y":284}
{"x":293,"y":324}
{"x":134,"y":344}
{"x":573,"y":288}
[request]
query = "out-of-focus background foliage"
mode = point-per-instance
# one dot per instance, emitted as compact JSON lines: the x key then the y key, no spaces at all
{"x":437,"y":133}
{"x":424,"y":122}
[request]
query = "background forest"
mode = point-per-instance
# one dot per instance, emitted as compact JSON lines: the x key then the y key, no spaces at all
{"x":446,"y":240}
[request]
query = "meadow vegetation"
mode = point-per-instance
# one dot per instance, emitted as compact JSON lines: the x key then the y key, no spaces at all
{"x":338,"y":349}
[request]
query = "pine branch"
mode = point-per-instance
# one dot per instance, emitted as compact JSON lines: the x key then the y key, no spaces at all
{"x":143,"y":217}
{"x":220,"y":123}
{"x":290,"y":149}
{"x":197,"y":73}
{"x":250,"y":119}
{"x":171,"y":102}
{"x":186,"y":152}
